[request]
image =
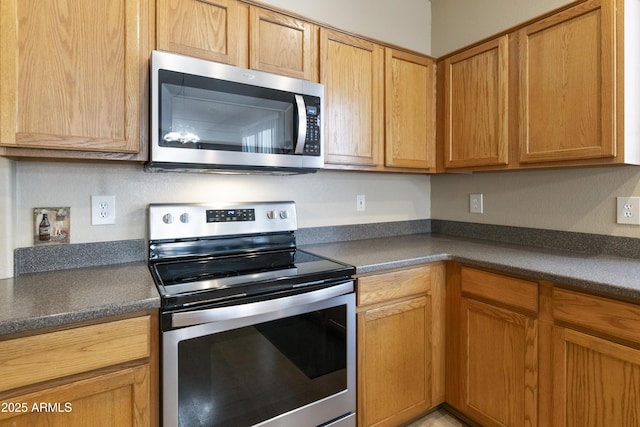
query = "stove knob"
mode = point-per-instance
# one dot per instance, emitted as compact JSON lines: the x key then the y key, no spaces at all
{"x":167,"y":218}
{"x":184,"y":218}
{"x":271,"y":214}
{"x":284,"y":214}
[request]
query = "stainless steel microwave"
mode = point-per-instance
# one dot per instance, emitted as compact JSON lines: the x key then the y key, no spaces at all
{"x":207,"y":116}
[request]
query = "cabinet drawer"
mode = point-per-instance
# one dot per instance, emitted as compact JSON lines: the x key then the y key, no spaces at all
{"x":396,"y":284}
{"x":516,"y":293}
{"x":618,"y":319}
{"x":37,"y":358}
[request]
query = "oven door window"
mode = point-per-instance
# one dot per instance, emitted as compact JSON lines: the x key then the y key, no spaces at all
{"x":244,"y":376}
{"x":204,"y":113}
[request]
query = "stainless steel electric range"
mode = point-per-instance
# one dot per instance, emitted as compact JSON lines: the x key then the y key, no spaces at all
{"x":254,"y":330}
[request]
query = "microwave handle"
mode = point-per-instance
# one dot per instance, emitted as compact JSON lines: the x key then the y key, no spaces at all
{"x":302,"y":124}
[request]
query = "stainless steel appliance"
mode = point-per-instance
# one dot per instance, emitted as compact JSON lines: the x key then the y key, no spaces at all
{"x":208,"y":116}
{"x":254,"y":330}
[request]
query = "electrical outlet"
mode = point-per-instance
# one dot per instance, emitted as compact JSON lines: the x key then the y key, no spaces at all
{"x":475,"y":203}
{"x":360,"y":203}
{"x":103,"y":210}
{"x":629,"y":210}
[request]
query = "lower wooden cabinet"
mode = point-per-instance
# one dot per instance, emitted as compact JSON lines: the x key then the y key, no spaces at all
{"x":596,"y":361}
{"x":493,"y":369}
{"x":532,"y":353}
{"x":103,"y":374}
{"x":400,"y":344}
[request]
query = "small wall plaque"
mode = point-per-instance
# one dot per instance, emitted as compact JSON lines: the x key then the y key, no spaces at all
{"x":51,"y":225}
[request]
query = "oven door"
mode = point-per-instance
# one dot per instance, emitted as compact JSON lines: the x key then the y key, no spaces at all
{"x":293,"y":365}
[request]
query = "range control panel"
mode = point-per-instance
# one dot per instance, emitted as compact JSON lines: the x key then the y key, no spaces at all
{"x":197,"y":220}
{"x":227,"y":215}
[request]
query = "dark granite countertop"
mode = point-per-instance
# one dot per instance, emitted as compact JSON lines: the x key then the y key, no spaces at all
{"x":39,"y":300}
{"x":48,"y":299}
{"x":602,"y":274}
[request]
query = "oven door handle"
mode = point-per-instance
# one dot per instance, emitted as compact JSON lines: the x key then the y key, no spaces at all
{"x":197,"y":317}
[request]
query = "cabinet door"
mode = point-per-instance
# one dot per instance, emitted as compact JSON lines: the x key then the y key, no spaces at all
{"x":492,"y":363}
{"x":283,"y":45}
{"x":120,"y":398}
{"x":352,"y":71}
{"x":499,"y":361}
{"x":596,"y":381}
{"x":567,"y":71}
{"x":74,"y":76}
{"x":216,"y":30}
{"x":409,"y":110}
{"x":393,"y":361}
{"x":476,"y":106}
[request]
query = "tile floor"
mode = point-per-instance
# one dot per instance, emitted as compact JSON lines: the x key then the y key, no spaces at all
{"x":439,"y":418}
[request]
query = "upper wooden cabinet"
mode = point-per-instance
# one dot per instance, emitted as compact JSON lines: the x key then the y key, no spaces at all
{"x":216,"y":30}
{"x":74,"y":78}
{"x":476,"y":105}
{"x":567,"y":83}
{"x":283,"y":45}
{"x":409,"y":110}
{"x":352,"y":71}
{"x":556,"y":91}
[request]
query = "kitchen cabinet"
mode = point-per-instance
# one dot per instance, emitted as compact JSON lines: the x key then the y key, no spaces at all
{"x":74,"y":79}
{"x":215,"y":30}
{"x":283,"y":45}
{"x":567,"y":65}
{"x":556,"y":91}
{"x":103,"y":373}
{"x":476,"y":105}
{"x":400,"y":344}
{"x":409,"y":110}
{"x":352,"y":71}
{"x":596,"y":361}
{"x":492,"y":369}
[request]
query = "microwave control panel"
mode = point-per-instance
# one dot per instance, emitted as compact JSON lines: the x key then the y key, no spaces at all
{"x":312,"y":140}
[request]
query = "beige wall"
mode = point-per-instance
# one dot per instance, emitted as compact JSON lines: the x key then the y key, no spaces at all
{"x":457,"y":23}
{"x":7,"y":198}
{"x":406,"y":23}
{"x":581,"y":200}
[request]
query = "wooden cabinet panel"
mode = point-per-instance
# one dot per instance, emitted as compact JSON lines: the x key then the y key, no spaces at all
{"x":103,"y":374}
{"x":395,"y":284}
{"x":476,"y":106}
{"x":119,"y":398}
{"x":283,"y":45}
{"x":216,"y":30}
{"x":499,"y":362}
{"x":396,"y":359}
{"x":352,"y":71}
{"x":616,"y":319}
{"x":37,"y":358}
{"x":567,"y":81}
{"x":596,"y":382}
{"x":516,"y":293}
{"x":492,"y":348}
{"x":74,"y":76}
{"x":409,"y":110}
{"x":400,"y":344}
